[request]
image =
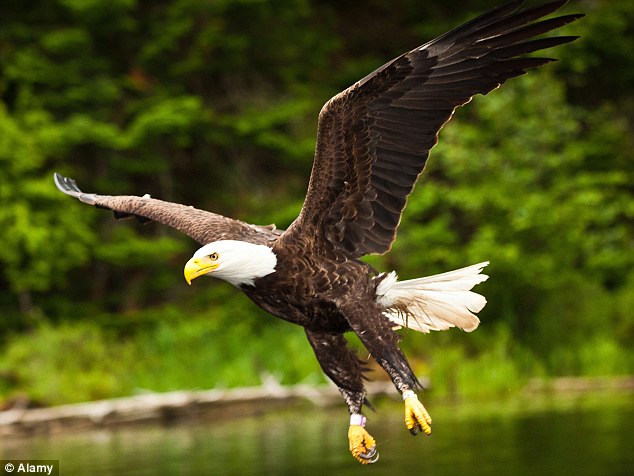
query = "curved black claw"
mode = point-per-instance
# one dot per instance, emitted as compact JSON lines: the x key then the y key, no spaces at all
{"x":414,"y":431}
{"x":371,"y":456}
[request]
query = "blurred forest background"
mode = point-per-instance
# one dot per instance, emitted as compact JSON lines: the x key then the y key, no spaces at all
{"x":214,"y":103}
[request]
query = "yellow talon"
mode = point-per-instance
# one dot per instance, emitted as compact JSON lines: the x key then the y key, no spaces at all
{"x":416,"y":416}
{"x":362,"y":445}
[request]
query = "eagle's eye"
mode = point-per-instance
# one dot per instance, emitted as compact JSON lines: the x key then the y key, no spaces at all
{"x":213,"y":256}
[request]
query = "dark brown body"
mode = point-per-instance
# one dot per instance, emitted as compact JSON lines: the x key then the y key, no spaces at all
{"x":305,"y":288}
{"x":329,"y":296}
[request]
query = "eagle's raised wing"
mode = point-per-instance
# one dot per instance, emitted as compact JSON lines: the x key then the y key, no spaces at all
{"x":204,"y":227}
{"x":374,"y":138}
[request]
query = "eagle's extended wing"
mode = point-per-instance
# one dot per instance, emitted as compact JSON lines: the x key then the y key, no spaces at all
{"x":204,"y":227}
{"x":374,"y":138}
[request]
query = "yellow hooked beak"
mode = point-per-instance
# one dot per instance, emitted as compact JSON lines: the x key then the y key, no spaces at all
{"x":197,"y":267}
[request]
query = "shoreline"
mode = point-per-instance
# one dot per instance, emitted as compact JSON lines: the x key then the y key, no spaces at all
{"x":181,"y":406}
{"x":170,"y":407}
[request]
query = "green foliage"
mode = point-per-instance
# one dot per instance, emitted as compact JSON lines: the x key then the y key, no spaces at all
{"x":214,"y":104}
{"x":501,"y":368}
{"x":70,"y":363}
{"x":76,"y":362}
{"x":39,"y":245}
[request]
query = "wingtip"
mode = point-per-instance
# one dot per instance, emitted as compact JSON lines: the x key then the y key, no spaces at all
{"x":67,"y":185}
{"x":566,"y":19}
{"x":57,"y":178}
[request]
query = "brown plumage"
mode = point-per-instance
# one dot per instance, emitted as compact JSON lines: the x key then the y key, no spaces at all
{"x":204,"y":227}
{"x":372,"y":144}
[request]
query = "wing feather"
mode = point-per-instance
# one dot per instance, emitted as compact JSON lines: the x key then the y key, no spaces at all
{"x":374,"y":138}
{"x":204,"y":227}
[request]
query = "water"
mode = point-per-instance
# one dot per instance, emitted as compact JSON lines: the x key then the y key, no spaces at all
{"x":573,"y":436}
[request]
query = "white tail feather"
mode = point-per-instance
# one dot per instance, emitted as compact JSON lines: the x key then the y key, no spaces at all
{"x":436,"y":302}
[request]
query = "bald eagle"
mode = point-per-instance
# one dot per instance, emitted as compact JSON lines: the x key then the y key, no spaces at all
{"x":373,"y":140}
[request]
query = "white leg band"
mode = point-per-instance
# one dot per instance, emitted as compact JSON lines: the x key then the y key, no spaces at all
{"x":409,"y":394}
{"x":357,"y":419}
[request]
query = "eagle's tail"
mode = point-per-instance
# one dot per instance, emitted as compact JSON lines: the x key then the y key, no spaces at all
{"x":434,"y":303}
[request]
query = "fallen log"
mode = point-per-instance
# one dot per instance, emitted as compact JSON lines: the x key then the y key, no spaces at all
{"x":165,"y":408}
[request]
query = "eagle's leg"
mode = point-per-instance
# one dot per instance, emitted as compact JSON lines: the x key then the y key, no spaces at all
{"x":376,"y":334}
{"x":416,"y":415}
{"x":341,"y":365}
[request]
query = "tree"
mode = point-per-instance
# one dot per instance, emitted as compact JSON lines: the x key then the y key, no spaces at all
{"x":215,"y":104}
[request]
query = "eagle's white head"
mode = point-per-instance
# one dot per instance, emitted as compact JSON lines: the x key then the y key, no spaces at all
{"x":237,"y":262}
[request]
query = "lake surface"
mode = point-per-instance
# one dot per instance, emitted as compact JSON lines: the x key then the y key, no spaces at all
{"x":589,"y":435}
